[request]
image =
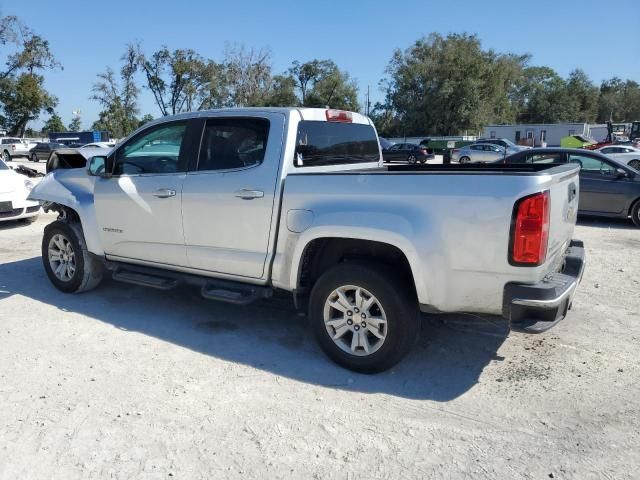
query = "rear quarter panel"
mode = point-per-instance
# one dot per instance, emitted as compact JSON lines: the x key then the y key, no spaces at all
{"x":453,"y":228}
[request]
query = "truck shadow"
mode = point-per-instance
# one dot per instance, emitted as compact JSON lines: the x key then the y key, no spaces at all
{"x":447,"y":361}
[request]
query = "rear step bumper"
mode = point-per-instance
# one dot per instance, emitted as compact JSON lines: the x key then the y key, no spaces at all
{"x":210,"y":288}
{"x":538,"y":307}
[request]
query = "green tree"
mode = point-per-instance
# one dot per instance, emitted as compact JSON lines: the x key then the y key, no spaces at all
{"x":619,"y":100}
{"x":118,"y":97}
{"x":22,"y":93}
{"x":583,"y":97}
{"x":321,"y":83}
{"x":282,"y":93}
{"x":145,"y":119}
{"x":74,"y":125}
{"x":53,"y":124}
{"x":180,"y":80}
{"x":449,"y":85}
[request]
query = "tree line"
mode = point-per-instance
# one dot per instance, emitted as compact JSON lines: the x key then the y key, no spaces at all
{"x":440,"y":85}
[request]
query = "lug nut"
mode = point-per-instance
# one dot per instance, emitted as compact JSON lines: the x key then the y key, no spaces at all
{"x":349,"y":322}
{"x":349,"y":313}
{"x":364,"y":324}
{"x":356,"y":310}
{"x":356,"y":328}
{"x":363,"y":315}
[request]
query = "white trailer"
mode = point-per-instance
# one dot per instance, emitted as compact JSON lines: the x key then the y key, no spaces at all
{"x":537,"y":134}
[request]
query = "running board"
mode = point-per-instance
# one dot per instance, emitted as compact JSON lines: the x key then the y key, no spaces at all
{"x":210,"y":288}
{"x":238,"y":294}
{"x":146,"y":280}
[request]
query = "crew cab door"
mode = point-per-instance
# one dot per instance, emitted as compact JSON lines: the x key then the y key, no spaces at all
{"x":228,"y":197}
{"x":601,"y":189}
{"x":138,"y":209}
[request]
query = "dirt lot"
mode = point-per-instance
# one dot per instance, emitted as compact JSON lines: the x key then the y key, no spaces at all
{"x":127,"y":382}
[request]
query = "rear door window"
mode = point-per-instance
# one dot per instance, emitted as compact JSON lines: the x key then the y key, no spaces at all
{"x":592,"y":165}
{"x":230,"y":143}
{"x":335,"y":143}
{"x":544,"y":158}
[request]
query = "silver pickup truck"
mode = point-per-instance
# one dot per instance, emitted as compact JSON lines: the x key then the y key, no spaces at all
{"x":245,"y":202}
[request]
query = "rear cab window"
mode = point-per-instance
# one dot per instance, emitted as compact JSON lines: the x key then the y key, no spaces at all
{"x":323,"y":143}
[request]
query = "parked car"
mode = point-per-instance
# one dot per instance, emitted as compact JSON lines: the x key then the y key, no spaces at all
{"x":478,"y":153}
{"x":13,"y":147}
{"x":42,"y":150}
{"x":245,"y":202}
{"x":623,"y":153}
{"x":608,"y":188}
{"x":406,"y":152}
{"x":505,"y":143}
{"x":14,"y":189}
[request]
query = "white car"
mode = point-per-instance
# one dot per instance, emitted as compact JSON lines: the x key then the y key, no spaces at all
{"x":14,"y":190}
{"x":623,"y":153}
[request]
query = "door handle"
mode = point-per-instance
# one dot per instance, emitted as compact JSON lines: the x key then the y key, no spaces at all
{"x":164,"y":193}
{"x":248,"y":194}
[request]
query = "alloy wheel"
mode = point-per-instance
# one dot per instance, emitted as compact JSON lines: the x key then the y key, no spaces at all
{"x":355,"y":320}
{"x":62,"y":258}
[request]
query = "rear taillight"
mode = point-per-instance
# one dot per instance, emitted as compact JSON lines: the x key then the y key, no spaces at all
{"x":455,"y":150}
{"x":339,"y":116}
{"x":530,"y":230}
{"x":424,"y":151}
{"x":13,"y":147}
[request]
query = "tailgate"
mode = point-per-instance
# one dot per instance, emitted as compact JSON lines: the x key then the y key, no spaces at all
{"x":564,"y":192}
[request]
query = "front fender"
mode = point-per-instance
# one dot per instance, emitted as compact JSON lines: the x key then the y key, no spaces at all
{"x":74,"y":189}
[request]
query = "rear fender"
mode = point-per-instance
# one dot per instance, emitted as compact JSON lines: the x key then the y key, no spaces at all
{"x":72,"y":188}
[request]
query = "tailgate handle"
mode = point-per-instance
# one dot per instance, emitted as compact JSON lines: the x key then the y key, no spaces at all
{"x":572,"y":191}
{"x":248,"y":194}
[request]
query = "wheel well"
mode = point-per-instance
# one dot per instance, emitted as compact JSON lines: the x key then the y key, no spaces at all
{"x":633,"y":204}
{"x":324,"y":253}
{"x":65,"y":213}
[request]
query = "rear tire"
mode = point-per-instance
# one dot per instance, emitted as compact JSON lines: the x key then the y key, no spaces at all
{"x":66,"y":260}
{"x":34,"y":157}
{"x":411,"y":159}
{"x":635,"y":213}
{"x":465,"y":160}
{"x":384,"y":308}
{"x":6,"y":156}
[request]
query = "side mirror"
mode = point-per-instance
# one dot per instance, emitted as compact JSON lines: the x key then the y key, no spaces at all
{"x":621,"y":173}
{"x":98,"y":167}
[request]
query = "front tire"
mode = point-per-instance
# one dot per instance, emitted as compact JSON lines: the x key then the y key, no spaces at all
{"x":34,"y":157}
{"x":6,"y":156}
{"x":465,"y":160}
{"x":411,"y":159}
{"x":66,"y":260}
{"x":363,"y":317}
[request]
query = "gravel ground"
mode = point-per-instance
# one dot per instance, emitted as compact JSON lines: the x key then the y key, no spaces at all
{"x":126,"y":382}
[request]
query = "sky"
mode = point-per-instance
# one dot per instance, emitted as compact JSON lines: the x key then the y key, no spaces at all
{"x":600,"y":37}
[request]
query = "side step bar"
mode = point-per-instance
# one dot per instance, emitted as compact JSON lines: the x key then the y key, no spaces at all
{"x":145,"y":280}
{"x":210,"y":288}
{"x":239,"y":294}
